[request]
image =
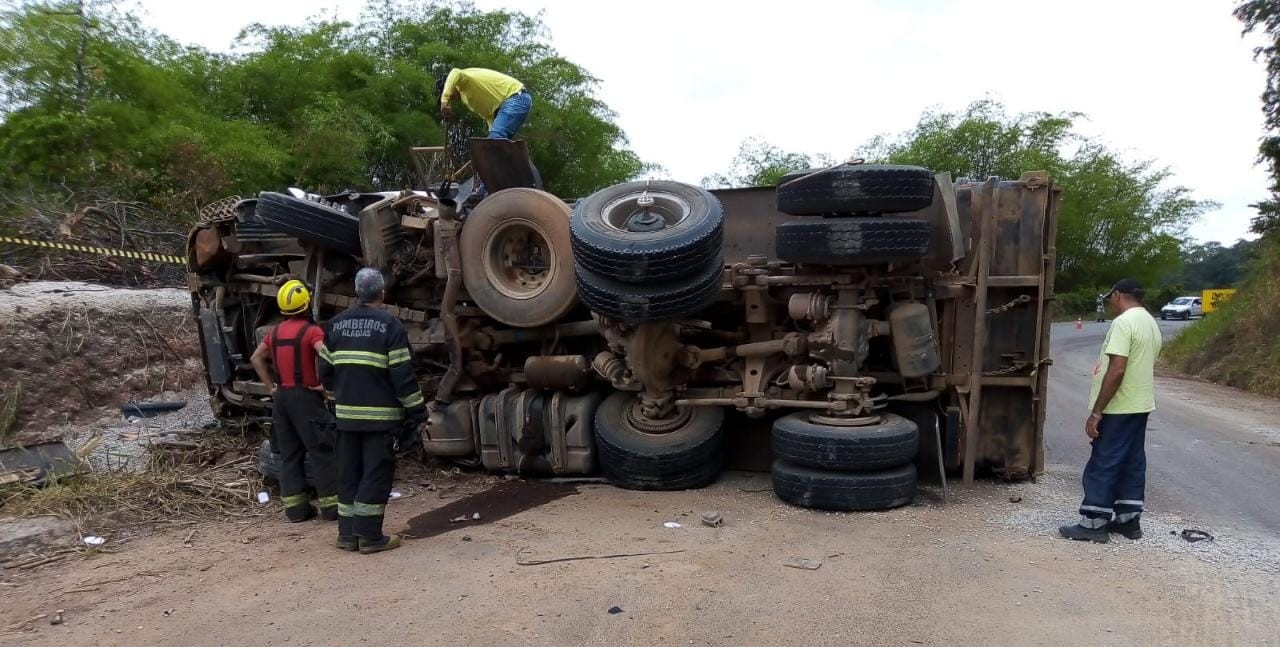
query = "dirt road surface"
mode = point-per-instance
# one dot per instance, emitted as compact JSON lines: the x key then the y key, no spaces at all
{"x":975,"y":569}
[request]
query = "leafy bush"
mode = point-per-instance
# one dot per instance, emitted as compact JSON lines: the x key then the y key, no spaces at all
{"x":1077,"y":303}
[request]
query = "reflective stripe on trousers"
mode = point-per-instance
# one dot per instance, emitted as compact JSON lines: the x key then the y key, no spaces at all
{"x":357,"y":412}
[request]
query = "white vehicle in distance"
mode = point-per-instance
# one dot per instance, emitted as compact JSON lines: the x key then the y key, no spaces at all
{"x":1183,"y":308}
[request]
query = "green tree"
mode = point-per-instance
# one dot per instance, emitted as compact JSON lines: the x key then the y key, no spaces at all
{"x":1264,"y":16}
{"x":1117,"y":217}
{"x":91,"y":99}
{"x":759,"y":163}
{"x":97,"y":101}
{"x":1239,"y":345}
{"x":1213,"y":265}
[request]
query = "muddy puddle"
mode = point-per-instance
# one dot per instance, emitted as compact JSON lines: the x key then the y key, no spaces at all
{"x":496,"y":503}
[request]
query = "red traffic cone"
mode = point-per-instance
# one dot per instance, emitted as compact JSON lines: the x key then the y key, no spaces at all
{"x":1079,"y":323}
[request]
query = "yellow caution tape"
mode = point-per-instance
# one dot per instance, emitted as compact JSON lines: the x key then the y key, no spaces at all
{"x":101,"y":251}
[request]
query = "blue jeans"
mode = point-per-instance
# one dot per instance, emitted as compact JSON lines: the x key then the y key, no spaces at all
{"x":511,"y":115}
{"x":1116,"y":476}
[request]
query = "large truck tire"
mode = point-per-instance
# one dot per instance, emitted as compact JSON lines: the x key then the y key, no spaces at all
{"x":891,"y":443}
{"x":679,"y":234}
{"x":516,"y":257}
{"x":844,"y":491}
{"x":688,"y":457}
{"x":853,"y":241}
{"x":269,"y":465}
{"x":856,"y":188}
{"x":310,"y":222}
{"x":651,"y":302}
{"x":795,"y":175}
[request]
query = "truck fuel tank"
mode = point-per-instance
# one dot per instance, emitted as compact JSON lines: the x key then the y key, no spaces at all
{"x":914,"y":344}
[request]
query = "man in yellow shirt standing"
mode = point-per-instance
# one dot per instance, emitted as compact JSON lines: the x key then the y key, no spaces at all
{"x":1123,"y":397}
{"x":502,"y":101}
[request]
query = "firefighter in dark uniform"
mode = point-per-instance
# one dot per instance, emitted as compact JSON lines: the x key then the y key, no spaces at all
{"x":367,"y":363}
{"x":299,"y":419}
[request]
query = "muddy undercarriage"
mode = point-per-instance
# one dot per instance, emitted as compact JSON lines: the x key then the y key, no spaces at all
{"x":642,"y":332}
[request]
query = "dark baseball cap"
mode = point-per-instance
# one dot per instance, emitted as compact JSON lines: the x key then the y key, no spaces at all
{"x":1127,"y":286}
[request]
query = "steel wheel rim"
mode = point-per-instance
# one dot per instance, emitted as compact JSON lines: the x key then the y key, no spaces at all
{"x":518,"y":261}
{"x":671,"y":208}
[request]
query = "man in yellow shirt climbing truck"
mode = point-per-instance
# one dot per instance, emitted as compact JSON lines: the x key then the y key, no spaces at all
{"x":501,"y":100}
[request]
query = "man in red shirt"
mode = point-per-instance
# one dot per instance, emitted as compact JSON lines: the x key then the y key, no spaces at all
{"x":298,"y":415}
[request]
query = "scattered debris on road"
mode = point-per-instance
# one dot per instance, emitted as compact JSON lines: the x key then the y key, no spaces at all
{"x":34,"y":464}
{"x":539,"y":562}
{"x":18,"y":536}
{"x":712,"y":519}
{"x":1193,"y":535}
{"x":803,"y":563}
{"x":151,"y":409}
{"x":20,"y":625}
{"x":82,"y":589}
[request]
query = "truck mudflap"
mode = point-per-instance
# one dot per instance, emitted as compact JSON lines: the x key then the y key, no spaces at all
{"x":215,"y":350}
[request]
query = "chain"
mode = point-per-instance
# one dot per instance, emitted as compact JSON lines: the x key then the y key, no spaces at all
{"x":1014,"y":368}
{"x":1018,"y":366}
{"x":1022,"y":300}
{"x":457,"y":152}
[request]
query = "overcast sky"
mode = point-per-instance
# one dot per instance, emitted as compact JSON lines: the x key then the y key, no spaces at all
{"x":1171,"y":80}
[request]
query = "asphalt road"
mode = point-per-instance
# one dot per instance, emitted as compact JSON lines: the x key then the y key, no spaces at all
{"x":1213,"y":453}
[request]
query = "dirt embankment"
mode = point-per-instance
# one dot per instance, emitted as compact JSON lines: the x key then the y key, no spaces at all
{"x":68,"y":348}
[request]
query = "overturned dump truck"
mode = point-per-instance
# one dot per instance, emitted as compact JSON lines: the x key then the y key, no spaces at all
{"x":853,"y":329}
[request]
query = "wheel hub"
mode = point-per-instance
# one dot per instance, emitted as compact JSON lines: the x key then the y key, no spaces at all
{"x":518,"y":260}
{"x":645,"y":211}
{"x":637,"y":419}
{"x":845,"y":421}
{"x":645,"y":221}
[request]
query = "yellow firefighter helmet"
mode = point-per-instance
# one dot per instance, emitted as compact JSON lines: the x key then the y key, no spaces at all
{"x":293,"y":297}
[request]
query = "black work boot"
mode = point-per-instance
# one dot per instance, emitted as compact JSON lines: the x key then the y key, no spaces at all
{"x":1080,"y":533}
{"x":371,"y":546}
{"x":300,"y":513}
{"x":347,"y":542}
{"x":1131,"y":529}
{"x":329,"y":514}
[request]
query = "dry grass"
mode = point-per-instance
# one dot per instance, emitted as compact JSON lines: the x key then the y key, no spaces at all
{"x":9,"y":411}
{"x":182,"y":484}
